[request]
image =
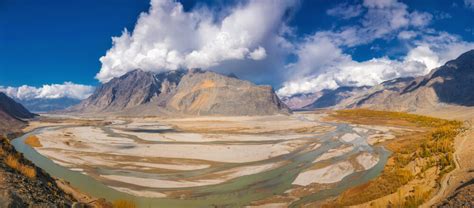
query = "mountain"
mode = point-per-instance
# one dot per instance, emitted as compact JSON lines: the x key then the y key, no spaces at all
{"x":40,"y":105}
{"x":323,"y":99}
{"x":12,"y":115}
{"x":450,"y":84}
{"x":301,"y":100}
{"x":208,"y":93}
{"x":191,"y":92}
{"x":334,"y":97}
{"x":130,"y":90}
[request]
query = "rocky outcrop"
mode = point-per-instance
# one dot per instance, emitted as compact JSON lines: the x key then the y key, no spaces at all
{"x":463,"y":196}
{"x":192,"y":92}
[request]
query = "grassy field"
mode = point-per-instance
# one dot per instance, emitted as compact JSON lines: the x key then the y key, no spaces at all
{"x":432,"y":148}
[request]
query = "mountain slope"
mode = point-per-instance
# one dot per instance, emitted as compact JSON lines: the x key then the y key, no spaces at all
{"x":130,"y":90}
{"x":12,"y":115}
{"x":209,"y":93}
{"x":452,"y":83}
{"x":192,"y":92}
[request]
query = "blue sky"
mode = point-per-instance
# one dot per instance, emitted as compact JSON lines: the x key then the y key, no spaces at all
{"x":295,"y":46}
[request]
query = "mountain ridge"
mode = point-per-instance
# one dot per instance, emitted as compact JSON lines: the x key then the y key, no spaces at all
{"x":449,"y":84}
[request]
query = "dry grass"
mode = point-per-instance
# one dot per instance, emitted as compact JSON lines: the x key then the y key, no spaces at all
{"x":122,"y":203}
{"x":13,"y":162}
{"x":33,"y":141}
{"x":434,"y":145}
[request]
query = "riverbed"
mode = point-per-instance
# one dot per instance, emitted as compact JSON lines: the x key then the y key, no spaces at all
{"x":210,"y":161}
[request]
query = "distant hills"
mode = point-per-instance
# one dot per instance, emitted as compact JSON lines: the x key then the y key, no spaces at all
{"x":184,"y":92}
{"x":12,"y":115}
{"x":41,"y":105}
{"x":452,"y":84}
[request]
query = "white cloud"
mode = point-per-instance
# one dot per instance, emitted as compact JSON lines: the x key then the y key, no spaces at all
{"x":379,"y":3}
{"x":345,"y":11}
{"x":383,"y":19}
{"x":66,"y":90}
{"x":406,"y":35}
{"x":167,"y":38}
{"x":258,"y":54}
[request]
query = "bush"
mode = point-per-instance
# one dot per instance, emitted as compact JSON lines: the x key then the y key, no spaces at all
{"x":33,"y":141}
{"x":15,"y":164}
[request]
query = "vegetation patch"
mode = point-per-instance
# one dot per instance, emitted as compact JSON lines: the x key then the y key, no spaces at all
{"x":33,"y":141}
{"x":122,"y":203}
{"x":431,"y":148}
{"x":13,"y":160}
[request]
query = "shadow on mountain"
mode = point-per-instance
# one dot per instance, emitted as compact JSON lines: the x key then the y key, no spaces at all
{"x":456,"y":85}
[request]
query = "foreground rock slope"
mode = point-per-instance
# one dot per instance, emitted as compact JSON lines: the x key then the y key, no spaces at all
{"x":19,"y":190}
{"x":193,"y":92}
{"x":22,"y":184}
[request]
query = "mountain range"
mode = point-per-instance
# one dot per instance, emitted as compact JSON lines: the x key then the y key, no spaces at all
{"x":183,"y":92}
{"x":450,"y":84}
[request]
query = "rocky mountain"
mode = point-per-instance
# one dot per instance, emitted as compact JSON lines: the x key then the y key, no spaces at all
{"x":130,"y":90}
{"x":323,"y":99}
{"x":191,"y":92}
{"x":12,"y":115}
{"x":450,"y":84}
{"x":301,"y":100}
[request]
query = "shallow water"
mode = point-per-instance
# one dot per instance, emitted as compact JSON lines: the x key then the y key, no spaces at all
{"x":233,"y":193}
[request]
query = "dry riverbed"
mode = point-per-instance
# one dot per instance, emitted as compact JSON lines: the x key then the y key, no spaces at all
{"x":267,"y":160}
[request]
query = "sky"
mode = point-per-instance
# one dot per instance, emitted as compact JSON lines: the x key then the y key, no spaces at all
{"x":57,"y":48}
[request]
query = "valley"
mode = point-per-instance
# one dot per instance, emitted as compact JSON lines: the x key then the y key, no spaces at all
{"x":279,"y":160}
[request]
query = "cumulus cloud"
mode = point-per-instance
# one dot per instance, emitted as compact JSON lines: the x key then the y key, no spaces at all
{"x":167,"y":37}
{"x":53,"y":91}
